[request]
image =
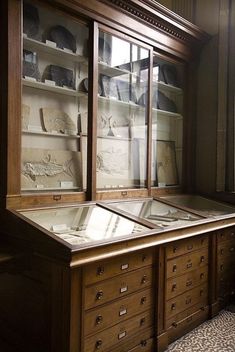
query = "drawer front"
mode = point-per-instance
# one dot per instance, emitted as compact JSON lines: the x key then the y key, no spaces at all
{"x":144,"y":346}
{"x":116,"y":312}
{"x":118,"y":287}
{"x":178,"y":285}
{"x":226,"y":248}
{"x":226,"y":235}
{"x":136,"y":342}
{"x":187,"y":263}
{"x":187,"y":324}
{"x":106,"y":339}
{"x":225,"y":265}
{"x":109,"y":268}
{"x":172,"y":321}
{"x":186,"y":246}
{"x":186,"y":300}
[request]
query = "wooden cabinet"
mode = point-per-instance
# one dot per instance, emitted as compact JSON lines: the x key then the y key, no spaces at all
{"x":186,"y":294}
{"x":225,"y":265}
{"x":119,"y":306}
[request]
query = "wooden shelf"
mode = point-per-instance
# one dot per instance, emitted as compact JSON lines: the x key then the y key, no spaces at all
{"x":168,"y":88}
{"x":50,"y":88}
{"x":35,"y":45}
{"x":110,"y":71}
{"x":60,"y":135}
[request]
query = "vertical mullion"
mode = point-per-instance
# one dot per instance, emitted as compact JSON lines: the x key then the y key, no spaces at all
{"x":92,"y":113}
{"x":149,"y":123}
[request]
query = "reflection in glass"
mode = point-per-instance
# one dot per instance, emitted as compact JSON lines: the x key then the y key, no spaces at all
{"x":83,"y":224}
{"x":204,"y":206}
{"x":161,"y":214}
{"x":122,"y":114}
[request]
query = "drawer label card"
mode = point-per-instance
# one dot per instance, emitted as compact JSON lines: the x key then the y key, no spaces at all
{"x":122,"y":311}
{"x":124,"y":289}
{"x":124,"y":266}
{"x":121,"y":335}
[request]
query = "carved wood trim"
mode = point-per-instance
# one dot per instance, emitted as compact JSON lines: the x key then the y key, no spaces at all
{"x":157,"y":16}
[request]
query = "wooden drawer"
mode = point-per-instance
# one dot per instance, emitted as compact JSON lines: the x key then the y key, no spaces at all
{"x":106,"y":339}
{"x":225,"y":265}
{"x":118,"y":287}
{"x":115,"y":312}
{"x":226,"y":234}
{"x":112,"y":267}
{"x":186,"y":300}
{"x":226,"y":248}
{"x":186,"y":263}
{"x":181,"y":328}
{"x":186,"y":313}
{"x":178,"y":285}
{"x":186,"y":246}
{"x":143,"y":340}
{"x":144,"y":346}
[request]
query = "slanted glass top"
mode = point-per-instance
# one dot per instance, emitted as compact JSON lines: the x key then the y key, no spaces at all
{"x":84,"y":224}
{"x":206,"y":207}
{"x":161,"y":214}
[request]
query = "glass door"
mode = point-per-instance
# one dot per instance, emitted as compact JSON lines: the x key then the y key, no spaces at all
{"x":167,"y":123}
{"x":54,"y":96}
{"x":122,"y":118}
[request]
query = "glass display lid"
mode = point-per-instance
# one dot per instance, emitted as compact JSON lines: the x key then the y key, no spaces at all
{"x":158,"y":213}
{"x":203,"y":206}
{"x":83,"y":224}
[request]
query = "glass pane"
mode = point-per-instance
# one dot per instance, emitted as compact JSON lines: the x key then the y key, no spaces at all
{"x":204,"y":206}
{"x":167,"y":123}
{"x":163,"y":215}
{"x":122,"y":113}
{"x":78,"y":225}
{"x":54,"y":96}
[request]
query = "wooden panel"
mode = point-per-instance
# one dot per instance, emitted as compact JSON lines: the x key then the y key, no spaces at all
{"x":180,"y":284}
{"x":226,"y":249}
{"x":105,"y":340}
{"x":186,"y":246}
{"x":187,"y":263}
{"x":125,"y":308}
{"x":226,"y":234}
{"x":106,"y":269}
{"x":118,"y":287}
{"x":186,"y":300}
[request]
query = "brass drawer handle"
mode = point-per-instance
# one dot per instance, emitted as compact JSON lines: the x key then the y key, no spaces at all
{"x":189,"y":283}
{"x":144,"y":279}
{"x":221,"y":267}
{"x":174,"y":249}
{"x":99,"y":295}
{"x":189,"y":247}
{"x":173,"y":306}
{"x":202,"y":259}
{"x":143,"y":343}
{"x":189,"y":265}
{"x":142,"y":321}
{"x":100,"y":270}
{"x":174,"y":268}
{"x":201,"y":275}
{"x":221,"y":251}
{"x":174,"y":287}
{"x":144,"y":258}
{"x":143,"y":300}
{"x":232,"y":249}
{"x":174,"y":324}
{"x":232,"y":234}
{"x":201,"y":292}
{"x":99,"y":319}
{"x":98,"y":344}
{"x":188,"y":300}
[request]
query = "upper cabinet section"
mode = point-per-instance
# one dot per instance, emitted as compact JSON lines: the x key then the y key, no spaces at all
{"x":54,"y":76}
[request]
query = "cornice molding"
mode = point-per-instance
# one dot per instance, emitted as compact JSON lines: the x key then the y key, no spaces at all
{"x":155,"y":15}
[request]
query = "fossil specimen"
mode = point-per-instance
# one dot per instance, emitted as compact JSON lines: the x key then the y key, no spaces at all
{"x":57,"y":120}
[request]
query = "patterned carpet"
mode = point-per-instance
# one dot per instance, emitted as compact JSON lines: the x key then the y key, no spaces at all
{"x":216,"y":335}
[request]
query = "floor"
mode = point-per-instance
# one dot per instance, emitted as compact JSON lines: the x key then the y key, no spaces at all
{"x":216,"y":335}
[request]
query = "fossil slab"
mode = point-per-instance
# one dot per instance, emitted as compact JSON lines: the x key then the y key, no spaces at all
{"x":55,"y":120}
{"x":46,"y":169}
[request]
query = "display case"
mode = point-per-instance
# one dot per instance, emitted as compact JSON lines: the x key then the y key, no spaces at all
{"x":204,"y":206}
{"x":157,"y":213}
